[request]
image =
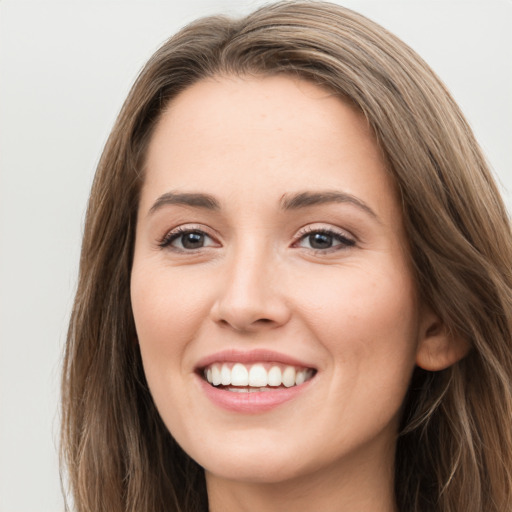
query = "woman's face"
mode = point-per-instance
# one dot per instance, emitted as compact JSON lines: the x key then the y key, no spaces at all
{"x":270,"y":251}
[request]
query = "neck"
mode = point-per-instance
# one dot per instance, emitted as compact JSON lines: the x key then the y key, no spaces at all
{"x":365,"y":487}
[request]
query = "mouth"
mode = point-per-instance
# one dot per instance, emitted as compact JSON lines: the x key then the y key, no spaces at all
{"x":257,"y":377}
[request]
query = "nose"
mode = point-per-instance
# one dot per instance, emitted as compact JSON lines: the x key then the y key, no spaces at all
{"x":252,"y":294}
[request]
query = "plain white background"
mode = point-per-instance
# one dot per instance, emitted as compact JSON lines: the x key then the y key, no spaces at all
{"x":65,"y":68}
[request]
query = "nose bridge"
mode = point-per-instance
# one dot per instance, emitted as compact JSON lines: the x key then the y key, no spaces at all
{"x":251,"y":296}
{"x":252,"y":260}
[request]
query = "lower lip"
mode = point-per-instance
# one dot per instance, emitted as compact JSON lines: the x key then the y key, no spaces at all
{"x":251,"y":403}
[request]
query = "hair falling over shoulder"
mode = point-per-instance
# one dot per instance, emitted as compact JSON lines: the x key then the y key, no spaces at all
{"x":454,"y":452}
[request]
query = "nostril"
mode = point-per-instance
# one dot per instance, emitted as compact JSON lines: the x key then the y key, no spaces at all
{"x":247,"y":326}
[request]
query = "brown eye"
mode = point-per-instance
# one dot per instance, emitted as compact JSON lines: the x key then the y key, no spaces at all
{"x":324,"y":240}
{"x":187,"y":240}
{"x":192,"y":240}
{"x":320,"y":241}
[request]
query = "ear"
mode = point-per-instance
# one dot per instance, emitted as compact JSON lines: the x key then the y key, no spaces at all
{"x":438,"y":347}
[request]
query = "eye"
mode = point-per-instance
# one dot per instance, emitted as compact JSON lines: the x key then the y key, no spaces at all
{"x":324,"y":240}
{"x":183,"y":239}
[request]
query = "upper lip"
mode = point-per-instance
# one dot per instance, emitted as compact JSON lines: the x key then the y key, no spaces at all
{"x":251,"y":356}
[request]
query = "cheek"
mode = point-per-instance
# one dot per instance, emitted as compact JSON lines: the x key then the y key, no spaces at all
{"x":365,"y":314}
{"x":367,"y":320}
{"x":167,"y":315}
{"x":164,"y":300}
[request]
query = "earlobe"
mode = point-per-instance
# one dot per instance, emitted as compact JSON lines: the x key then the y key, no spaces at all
{"x":438,"y":347}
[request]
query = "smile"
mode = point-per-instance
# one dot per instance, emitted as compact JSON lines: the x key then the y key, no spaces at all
{"x":253,"y":382}
{"x":264,"y":376}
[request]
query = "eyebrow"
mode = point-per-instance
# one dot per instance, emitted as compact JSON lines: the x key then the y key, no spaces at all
{"x":196,"y":200}
{"x":288,"y":202}
{"x":306,"y":199}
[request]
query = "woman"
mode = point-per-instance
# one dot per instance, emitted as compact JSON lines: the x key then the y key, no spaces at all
{"x":295,"y":286}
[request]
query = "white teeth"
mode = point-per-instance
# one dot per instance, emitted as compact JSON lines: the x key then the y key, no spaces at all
{"x":300,"y":377}
{"x":239,"y":375}
{"x":274,"y":376}
{"x":225,"y":375}
{"x":216,"y":375}
{"x":256,"y":377}
{"x":289,"y":377}
{"x":248,"y":390}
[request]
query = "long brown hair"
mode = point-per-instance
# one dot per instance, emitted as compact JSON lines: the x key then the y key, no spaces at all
{"x":455,"y":448}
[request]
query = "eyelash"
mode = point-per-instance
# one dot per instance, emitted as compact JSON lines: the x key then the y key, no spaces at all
{"x":345,"y":242}
{"x":181,"y":231}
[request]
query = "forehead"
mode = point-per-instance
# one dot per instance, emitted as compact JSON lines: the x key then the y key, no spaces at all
{"x":267,"y":136}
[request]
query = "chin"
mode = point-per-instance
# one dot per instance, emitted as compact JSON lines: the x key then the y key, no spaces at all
{"x":260,"y":471}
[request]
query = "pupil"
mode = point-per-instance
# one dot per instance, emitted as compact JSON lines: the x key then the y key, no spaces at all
{"x":320,"y":241}
{"x":192,"y":240}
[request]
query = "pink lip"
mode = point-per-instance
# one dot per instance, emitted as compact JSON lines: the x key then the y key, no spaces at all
{"x":250,"y":403}
{"x":253,"y":356}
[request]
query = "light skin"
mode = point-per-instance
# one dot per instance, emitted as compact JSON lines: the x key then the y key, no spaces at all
{"x":268,"y":220}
